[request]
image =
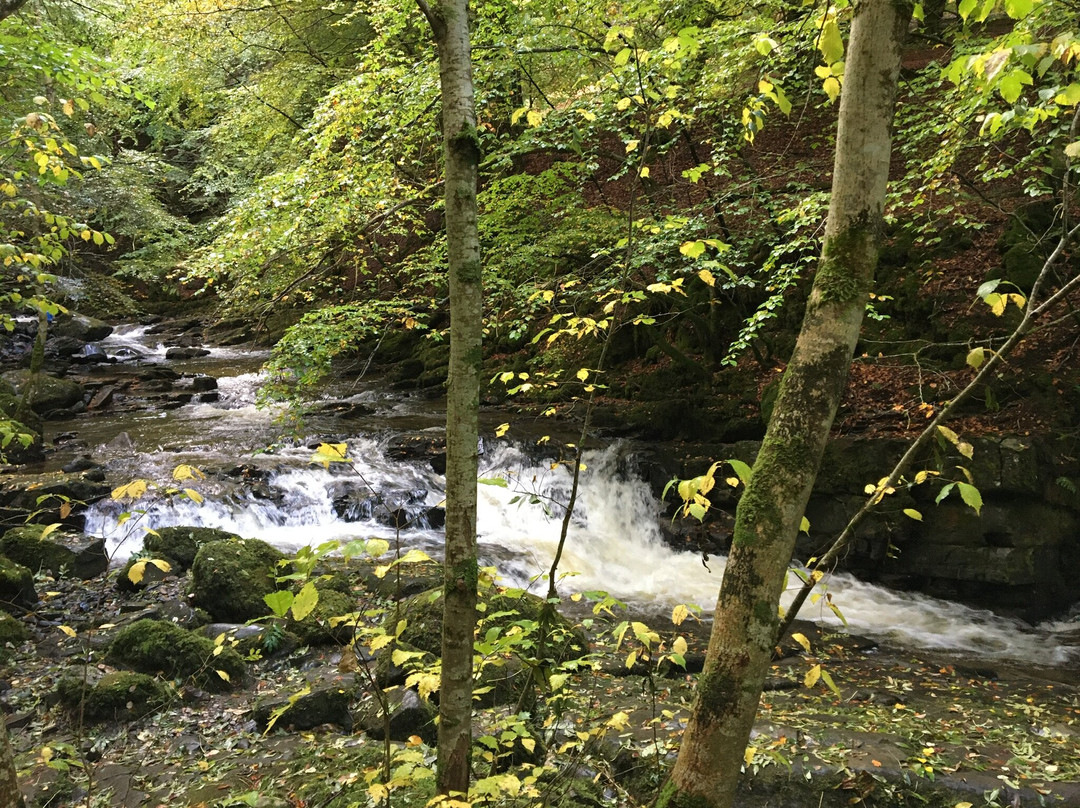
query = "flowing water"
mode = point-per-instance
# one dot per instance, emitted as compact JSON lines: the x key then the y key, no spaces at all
{"x":614,"y":541}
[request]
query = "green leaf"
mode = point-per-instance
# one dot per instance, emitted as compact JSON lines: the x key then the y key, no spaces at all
{"x":279,"y":602}
{"x":692,"y":249}
{"x":1069,"y":96}
{"x":1018,"y":9}
{"x":944,"y":492}
{"x":742,"y":470}
{"x":830,"y":43}
{"x":305,"y":601}
{"x":976,"y":356}
{"x":971,"y":496}
{"x":1013,"y":84}
{"x":911,"y":513}
{"x":498,"y":482}
{"x":965,"y":8}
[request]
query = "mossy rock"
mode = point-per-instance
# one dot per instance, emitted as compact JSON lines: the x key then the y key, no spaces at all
{"x":12,"y":631}
{"x":315,"y":629}
{"x":181,"y":544}
{"x":16,"y":585}
{"x":29,"y":423}
{"x":51,"y":393}
{"x":152,"y":646}
{"x":500,"y":684}
{"x":59,"y":552}
{"x":151,"y":573}
{"x":121,"y":695}
{"x":230,"y":578}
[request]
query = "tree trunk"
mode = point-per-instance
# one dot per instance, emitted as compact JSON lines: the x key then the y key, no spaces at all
{"x":770,"y":512}
{"x":9,"y":785}
{"x":450,"y":24}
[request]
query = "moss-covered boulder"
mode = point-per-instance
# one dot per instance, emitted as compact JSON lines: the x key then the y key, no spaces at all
{"x":121,"y":695}
{"x":12,"y":631}
{"x":153,"y":646}
{"x":16,"y":586}
{"x":58,"y":552}
{"x":28,"y":423}
{"x":180,"y":544}
{"x":324,"y":705}
{"x":317,"y":627}
{"x":49,"y":393}
{"x":504,"y":611}
{"x":80,"y":327}
{"x":230,"y":578}
{"x":139,"y":572}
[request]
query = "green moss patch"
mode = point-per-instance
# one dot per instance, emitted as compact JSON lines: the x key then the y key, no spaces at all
{"x":230,"y":578}
{"x":153,"y":646}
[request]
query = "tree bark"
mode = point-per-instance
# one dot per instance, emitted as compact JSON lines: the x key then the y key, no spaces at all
{"x":9,"y":7}
{"x":450,"y":24}
{"x":768,"y":517}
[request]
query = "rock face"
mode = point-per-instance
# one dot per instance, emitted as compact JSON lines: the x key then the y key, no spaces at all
{"x":230,"y":578}
{"x":1016,"y":556}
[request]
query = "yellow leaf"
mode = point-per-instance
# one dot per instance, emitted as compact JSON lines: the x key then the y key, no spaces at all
{"x":50,"y":529}
{"x":223,"y":674}
{"x":679,"y":646}
{"x":707,"y":277}
{"x":801,"y":640}
{"x":812,"y":676}
{"x":67,"y":630}
{"x":624,"y":103}
{"x":631,"y":145}
{"x":679,"y":613}
{"x":748,"y":755}
{"x":132,"y":490}
{"x":135,"y":574}
{"x":194,"y":496}
{"x":501,"y":430}
{"x":186,"y":472}
{"x":534,"y":117}
{"x":305,"y":601}
{"x":911,"y":513}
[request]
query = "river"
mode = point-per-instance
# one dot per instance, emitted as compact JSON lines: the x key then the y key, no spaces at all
{"x":614,"y":542}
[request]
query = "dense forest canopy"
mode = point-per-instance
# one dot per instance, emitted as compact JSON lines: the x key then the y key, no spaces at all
{"x":664,"y":168}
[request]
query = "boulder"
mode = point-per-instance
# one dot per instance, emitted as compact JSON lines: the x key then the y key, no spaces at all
{"x":153,"y":646}
{"x":186,"y":353}
{"x":180,"y":544}
{"x":59,"y":552}
{"x":409,"y":715}
{"x":316,"y":628}
{"x":50,"y":393}
{"x":120,"y":695}
{"x":12,"y":631}
{"x":151,"y":573}
{"x":16,"y":586}
{"x":80,"y":327}
{"x":323,"y":705}
{"x":230,"y":578}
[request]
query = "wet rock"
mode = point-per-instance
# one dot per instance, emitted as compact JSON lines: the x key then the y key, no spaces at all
{"x":180,"y":544}
{"x":409,"y":715}
{"x":323,"y":705}
{"x":186,"y":353}
{"x":50,"y":393}
{"x":16,"y":585}
{"x":202,"y":384}
{"x":152,"y":646}
{"x":59,"y":552}
{"x":79,"y":464}
{"x":230,"y":578}
{"x":419,"y":448}
{"x":121,"y":695}
{"x":103,"y":397}
{"x":80,"y":327}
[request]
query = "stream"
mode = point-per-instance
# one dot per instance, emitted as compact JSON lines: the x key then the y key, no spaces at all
{"x":614,"y":542}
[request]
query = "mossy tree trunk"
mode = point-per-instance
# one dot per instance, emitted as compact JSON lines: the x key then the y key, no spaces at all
{"x":450,"y":24}
{"x":767,"y":521}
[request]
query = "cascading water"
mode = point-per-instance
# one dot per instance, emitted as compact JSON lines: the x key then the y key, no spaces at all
{"x":614,"y":541}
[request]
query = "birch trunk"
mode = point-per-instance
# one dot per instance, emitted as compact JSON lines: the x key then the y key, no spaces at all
{"x":767,"y":521}
{"x":450,"y":24}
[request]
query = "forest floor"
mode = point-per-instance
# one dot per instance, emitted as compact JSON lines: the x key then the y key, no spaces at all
{"x":900,"y":729}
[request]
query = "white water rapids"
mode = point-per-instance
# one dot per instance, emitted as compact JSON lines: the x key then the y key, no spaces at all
{"x":614,"y":542}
